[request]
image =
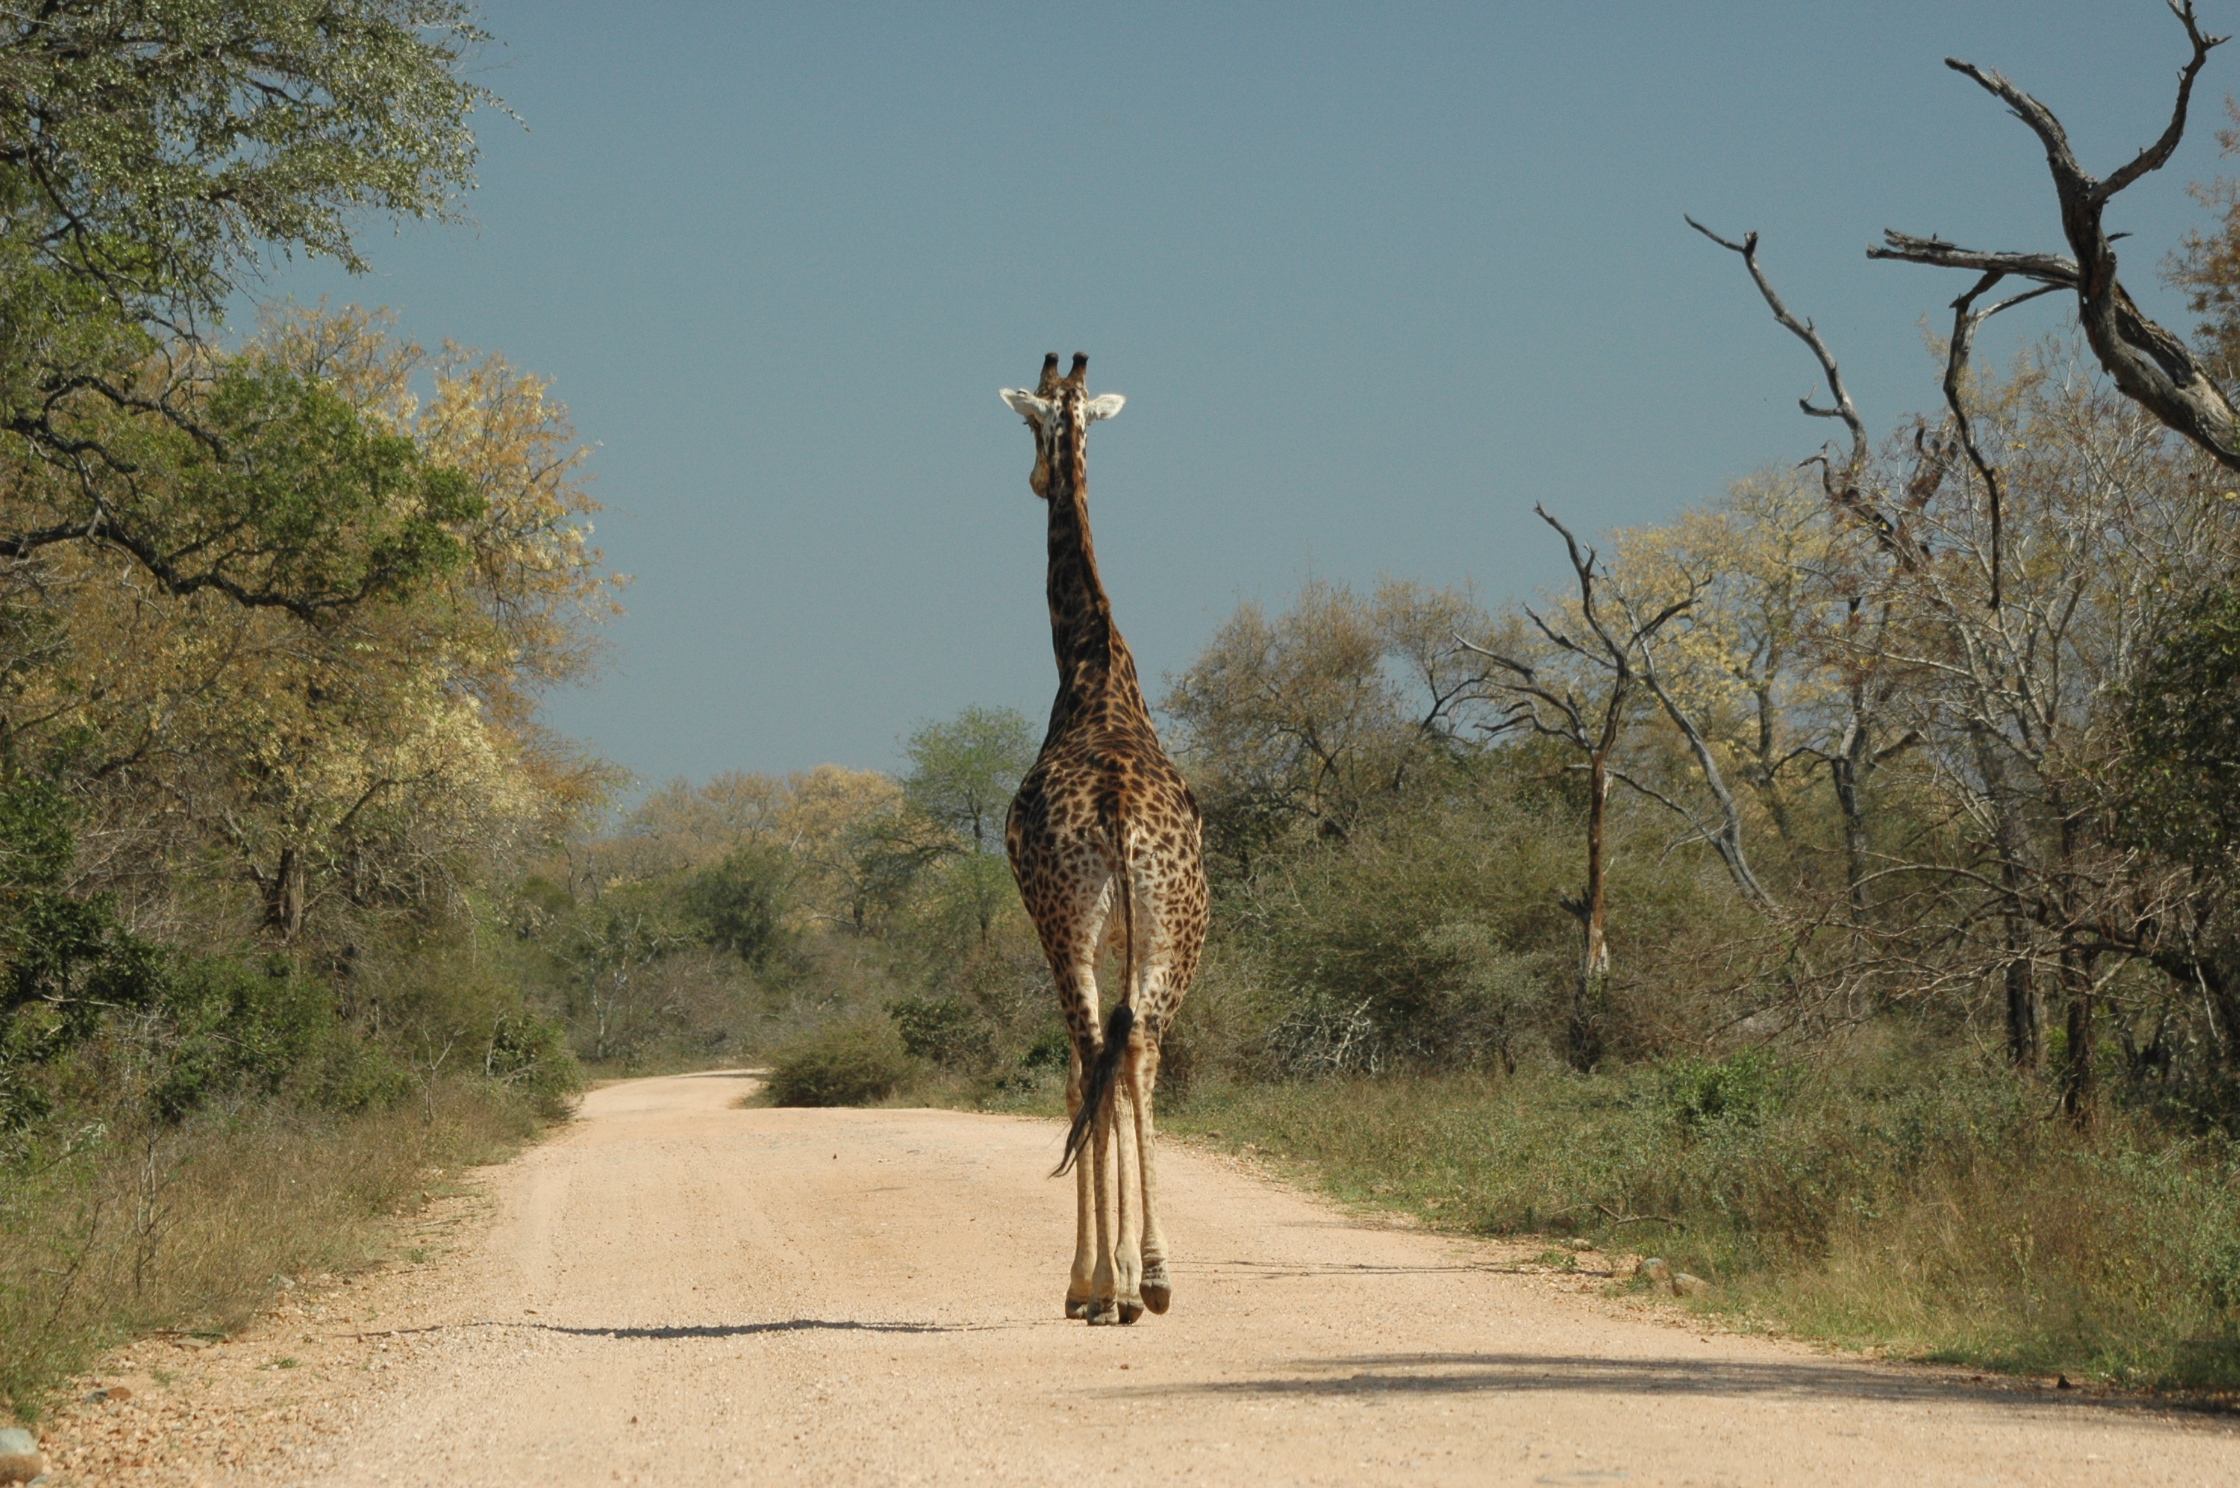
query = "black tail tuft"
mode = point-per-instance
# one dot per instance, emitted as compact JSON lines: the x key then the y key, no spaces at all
{"x":1097,"y":1091}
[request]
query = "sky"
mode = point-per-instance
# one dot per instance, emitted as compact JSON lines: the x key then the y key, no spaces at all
{"x":1374,"y":280}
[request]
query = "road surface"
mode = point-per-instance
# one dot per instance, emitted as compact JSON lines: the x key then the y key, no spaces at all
{"x":677,"y":1291}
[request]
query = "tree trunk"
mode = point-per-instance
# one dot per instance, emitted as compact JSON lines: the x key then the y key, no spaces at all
{"x":1594,"y":946}
{"x":284,"y":895}
{"x":2025,"y":1024}
{"x":2078,"y":1095}
{"x":1844,"y":771}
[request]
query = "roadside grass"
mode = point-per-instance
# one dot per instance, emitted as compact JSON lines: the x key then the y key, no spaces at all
{"x":112,"y":1230}
{"x":1883,"y":1196}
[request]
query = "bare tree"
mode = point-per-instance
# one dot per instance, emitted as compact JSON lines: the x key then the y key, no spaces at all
{"x":1552,"y":707}
{"x":1861,"y":744}
{"x":2150,"y":364}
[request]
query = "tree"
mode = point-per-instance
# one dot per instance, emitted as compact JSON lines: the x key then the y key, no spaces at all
{"x":1330,"y":712}
{"x":2149,"y":364}
{"x":963,"y":773}
{"x":741,"y":903}
{"x":1607,"y":654}
{"x":371,"y":758}
{"x":2013,"y":597}
{"x":150,"y":158}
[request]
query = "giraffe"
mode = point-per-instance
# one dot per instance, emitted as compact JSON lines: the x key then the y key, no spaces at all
{"x":1102,"y":823}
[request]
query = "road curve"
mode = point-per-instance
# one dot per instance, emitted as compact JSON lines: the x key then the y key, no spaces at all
{"x":677,"y":1291}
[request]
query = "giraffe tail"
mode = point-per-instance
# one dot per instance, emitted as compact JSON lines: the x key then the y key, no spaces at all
{"x":1096,"y":1094}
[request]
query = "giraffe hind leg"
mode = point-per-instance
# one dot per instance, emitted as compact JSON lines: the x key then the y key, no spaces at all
{"x":1140,"y":1078}
{"x":1084,"y":1209}
{"x":1104,"y":1292}
{"x":1128,"y":1232}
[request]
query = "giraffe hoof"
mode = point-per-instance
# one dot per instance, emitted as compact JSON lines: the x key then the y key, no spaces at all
{"x":1104,"y":1315}
{"x":1157,"y":1295}
{"x":1130,"y":1311}
{"x":1076,"y":1309}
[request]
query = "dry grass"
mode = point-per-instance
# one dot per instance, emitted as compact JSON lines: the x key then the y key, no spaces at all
{"x":108,"y":1231}
{"x":1882,"y":1197}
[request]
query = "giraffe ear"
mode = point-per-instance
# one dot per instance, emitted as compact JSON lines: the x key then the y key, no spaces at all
{"x":1025,"y":404}
{"x":1106,"y":405}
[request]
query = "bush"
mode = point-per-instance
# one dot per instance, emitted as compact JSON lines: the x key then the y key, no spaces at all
{"x":855,"y":1063}
{"x":1434,"y":939}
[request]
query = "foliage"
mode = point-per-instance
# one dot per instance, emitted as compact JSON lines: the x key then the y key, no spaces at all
{"x":116,"y":1227}
{"x":149,"y":156}
{"x":855,"y":1063}
{"x":741,"y":903}
{"x":2182,"y":717}
{"x":964,"y":771}
{"x":1308,"y":723}
{"x":158,"y":148}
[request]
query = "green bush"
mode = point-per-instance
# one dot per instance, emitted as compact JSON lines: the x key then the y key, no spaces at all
{"x":855,"y":1063}
{"x":940,"y":1029}
{"x":740,"y":904}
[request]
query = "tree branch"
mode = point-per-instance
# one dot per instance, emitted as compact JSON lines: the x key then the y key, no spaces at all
{"x":2149,"y":364}
{"x":1965,"y":321}
{"x":1804,"y":331}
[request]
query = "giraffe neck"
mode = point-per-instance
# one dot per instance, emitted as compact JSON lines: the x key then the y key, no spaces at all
{"x":1096,"y":673}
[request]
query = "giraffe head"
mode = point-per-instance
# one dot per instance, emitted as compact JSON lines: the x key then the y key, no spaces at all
{"x":1059,"y":408}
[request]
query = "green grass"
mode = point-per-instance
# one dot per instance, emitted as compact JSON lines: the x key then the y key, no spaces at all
{"x":1886,"y":1197}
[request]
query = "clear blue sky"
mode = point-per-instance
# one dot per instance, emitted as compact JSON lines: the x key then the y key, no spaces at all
{"x":1374,"y":279}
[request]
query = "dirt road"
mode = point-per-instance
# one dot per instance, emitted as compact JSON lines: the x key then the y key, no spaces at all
{"x":676,"y":1291}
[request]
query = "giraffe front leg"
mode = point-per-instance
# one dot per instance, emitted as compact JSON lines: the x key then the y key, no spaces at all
{"x":1142,"y":1076}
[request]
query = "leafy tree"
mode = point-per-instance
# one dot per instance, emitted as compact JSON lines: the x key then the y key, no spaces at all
{"x":2182,"y":729}
{"x":741,"y":903}
{"x":1325,"y":714}
{"x":964,"y":772}
{"x":150,"y":157}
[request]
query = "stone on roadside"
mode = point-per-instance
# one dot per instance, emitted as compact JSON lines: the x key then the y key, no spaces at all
{"x":1657,"y":1269}
{"x":20,"y":1461}
{"x":1684,"y":1285}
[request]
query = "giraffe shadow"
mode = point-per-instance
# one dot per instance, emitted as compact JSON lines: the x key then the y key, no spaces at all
{"x":746,"y":1330}
{"x":1291,"y":1270}
{"x":689,"y":1330}
{"x":1396,"y":1376}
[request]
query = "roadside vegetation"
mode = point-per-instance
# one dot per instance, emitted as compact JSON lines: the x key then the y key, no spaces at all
{"x":276,"y":608}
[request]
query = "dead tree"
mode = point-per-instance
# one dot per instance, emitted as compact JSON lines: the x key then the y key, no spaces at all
{"x":2152,"y":366}
{"x":1551,"y":707}
{"x":1860,"y":750}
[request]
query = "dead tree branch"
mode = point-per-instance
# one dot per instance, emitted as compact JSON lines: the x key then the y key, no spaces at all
{"x":1966,"y":319}
{"x":1804,"y":331}
{"x":2150,"y":364}
{"x":1844,"y":489}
